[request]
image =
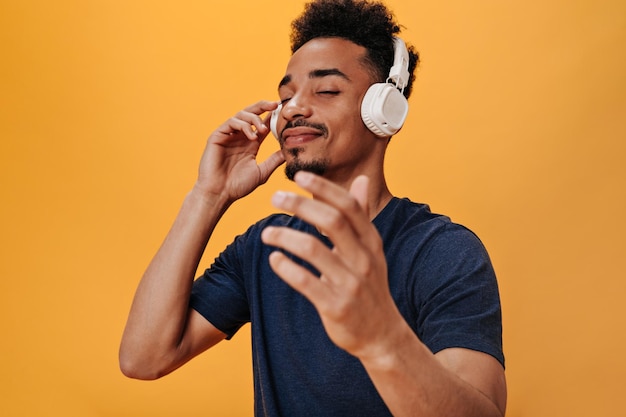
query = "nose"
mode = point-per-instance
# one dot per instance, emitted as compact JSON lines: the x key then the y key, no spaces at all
{"x":296,"y":107}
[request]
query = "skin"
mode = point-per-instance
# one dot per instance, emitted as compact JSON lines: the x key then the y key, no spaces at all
{"x":324,"y":84}
{"x":324,"y":88}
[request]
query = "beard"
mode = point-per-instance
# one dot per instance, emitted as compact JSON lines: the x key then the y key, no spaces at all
{"x":317,"y":167}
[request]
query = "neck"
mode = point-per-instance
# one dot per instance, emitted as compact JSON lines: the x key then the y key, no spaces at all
{"x":378,"y":194}
{"x":378,"y":197}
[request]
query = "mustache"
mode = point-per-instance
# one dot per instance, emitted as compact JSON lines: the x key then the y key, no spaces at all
{"x":304,"y":123}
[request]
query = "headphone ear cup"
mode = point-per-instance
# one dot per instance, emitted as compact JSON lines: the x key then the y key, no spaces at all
{"x":274,"y":121}
{"x":384,"y":109}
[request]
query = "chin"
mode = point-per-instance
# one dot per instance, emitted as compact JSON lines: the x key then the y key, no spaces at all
{"x":317,"y":167}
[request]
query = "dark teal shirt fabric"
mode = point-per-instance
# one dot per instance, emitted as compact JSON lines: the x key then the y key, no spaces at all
{"x":440,"y":277}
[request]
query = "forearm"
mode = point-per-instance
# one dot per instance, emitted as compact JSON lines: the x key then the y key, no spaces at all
{"x":159,"y":310}
{"x":414,"y":382}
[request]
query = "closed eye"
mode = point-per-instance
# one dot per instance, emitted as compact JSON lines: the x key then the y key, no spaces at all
{"x":330,"y":93}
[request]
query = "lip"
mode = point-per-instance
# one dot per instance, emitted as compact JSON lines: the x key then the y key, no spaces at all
{"x":295,"y":136}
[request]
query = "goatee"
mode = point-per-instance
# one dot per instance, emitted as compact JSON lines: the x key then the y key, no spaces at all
{"x":317,"y":167}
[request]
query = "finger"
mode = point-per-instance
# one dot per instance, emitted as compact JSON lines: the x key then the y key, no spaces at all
{"x":332,"y":194}
{"x":359,"y":190}
{"x":257,"y":109}
{"x":269,"y":107}
{"x":249,"y":122}
{"x":261,"y":107}
{"x":309,"y":249}
{"x":328,"y":219}
{"x":267,"y":167}
{"x":303,"y":245}
{"x":298,"y":278}
{"x":330,"y":222}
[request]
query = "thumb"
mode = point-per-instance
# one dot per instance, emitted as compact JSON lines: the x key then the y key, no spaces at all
{"x":267,"y":167}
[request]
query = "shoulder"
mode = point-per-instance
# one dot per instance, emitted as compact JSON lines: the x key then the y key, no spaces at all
{"x":431,"y":246}
{"x":402,"y":213}
{"x":249,"y":239}
{"x":407,"y":223}
{"x":277,"y":219}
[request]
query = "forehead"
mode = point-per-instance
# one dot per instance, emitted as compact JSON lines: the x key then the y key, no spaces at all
{"x":329,"y":53}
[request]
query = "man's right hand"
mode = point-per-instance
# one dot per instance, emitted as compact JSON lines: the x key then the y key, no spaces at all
{"x":162,"y":332}
{"x":228,"y":168}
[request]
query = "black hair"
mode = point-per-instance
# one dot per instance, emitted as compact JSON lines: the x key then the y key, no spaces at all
{"x":369,"y":24}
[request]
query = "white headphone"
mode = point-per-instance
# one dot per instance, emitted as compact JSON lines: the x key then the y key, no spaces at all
{"x":384,"y":107}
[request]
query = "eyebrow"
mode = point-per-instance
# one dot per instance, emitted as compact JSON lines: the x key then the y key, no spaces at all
{"x":318,"y":73}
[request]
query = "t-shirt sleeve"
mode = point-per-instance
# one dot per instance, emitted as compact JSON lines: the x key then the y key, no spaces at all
{"x":460,"y":304}
{"x":219,"y":295}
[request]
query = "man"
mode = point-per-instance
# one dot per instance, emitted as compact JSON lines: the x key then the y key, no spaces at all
{"x":361,"y":303}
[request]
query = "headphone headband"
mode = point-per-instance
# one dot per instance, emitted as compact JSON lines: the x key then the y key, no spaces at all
{"x":399,"y":72}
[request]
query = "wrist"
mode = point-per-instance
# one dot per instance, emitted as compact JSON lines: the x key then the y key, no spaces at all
{"x":211,"y":195}
{"x":209,"y":199}
{"x":388,"y":351}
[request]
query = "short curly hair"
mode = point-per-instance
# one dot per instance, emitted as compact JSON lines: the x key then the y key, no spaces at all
{"x":366,"y":23}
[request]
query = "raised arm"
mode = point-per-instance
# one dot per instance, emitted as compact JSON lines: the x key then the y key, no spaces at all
{"x":162,"y":332}
{"x":354,"y":302}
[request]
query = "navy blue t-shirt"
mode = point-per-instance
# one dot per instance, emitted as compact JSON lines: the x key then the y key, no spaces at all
{"x":440,"y":277}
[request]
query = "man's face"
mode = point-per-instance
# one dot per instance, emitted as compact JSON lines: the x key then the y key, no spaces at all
{"x":320,"y":123}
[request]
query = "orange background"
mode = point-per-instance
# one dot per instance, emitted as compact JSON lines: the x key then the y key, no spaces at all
{"x":517,"y":129}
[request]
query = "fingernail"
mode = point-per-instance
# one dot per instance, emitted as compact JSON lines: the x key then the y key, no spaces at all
{"x":266,"y":233}
{"x":278,"y":198}
{"x":303,"y":177}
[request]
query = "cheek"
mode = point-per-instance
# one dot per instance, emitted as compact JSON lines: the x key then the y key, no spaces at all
{"x":344,"y":121}
{"x":358,"y":128}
